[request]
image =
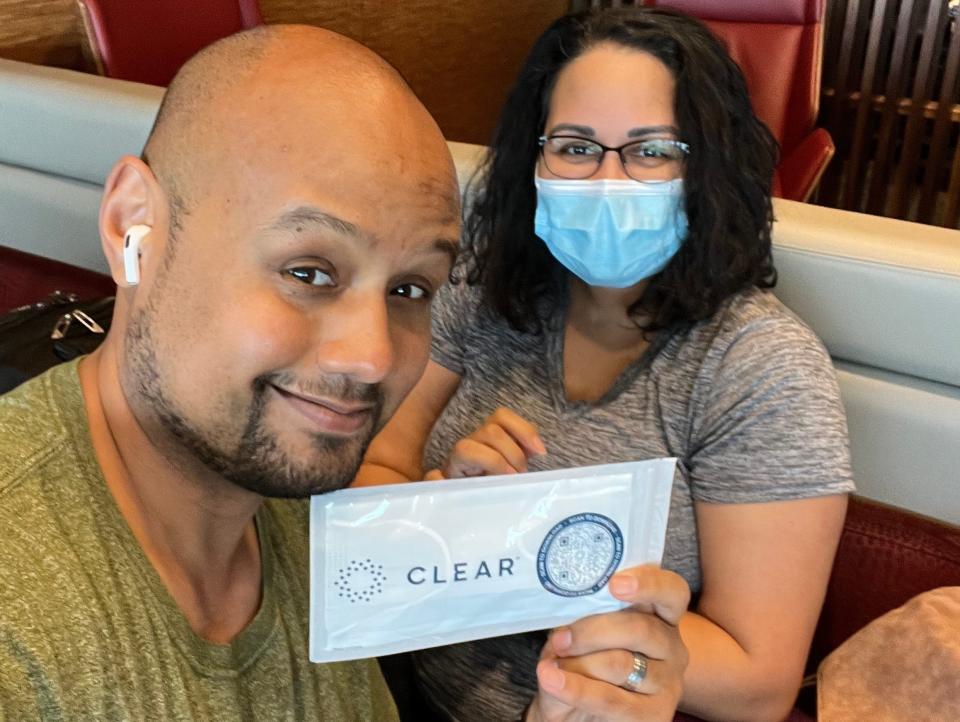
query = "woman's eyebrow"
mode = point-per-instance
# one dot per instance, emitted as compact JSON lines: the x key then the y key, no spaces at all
{"x":587,"y":131}
{"x":571,"y":128}
{"x":651,"y":129}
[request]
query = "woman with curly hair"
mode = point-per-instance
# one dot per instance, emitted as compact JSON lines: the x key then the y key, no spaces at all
{"x":612,"y":304}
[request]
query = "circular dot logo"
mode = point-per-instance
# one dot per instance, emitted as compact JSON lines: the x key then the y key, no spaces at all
{"x":360,"y":581}
{"x":579,"y":555}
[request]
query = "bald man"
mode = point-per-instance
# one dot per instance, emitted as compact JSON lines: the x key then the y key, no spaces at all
{"x":299,"y":208}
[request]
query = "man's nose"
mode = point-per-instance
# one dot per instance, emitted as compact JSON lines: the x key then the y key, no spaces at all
{"x":355,"y":338}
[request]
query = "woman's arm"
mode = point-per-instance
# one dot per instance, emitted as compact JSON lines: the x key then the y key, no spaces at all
{"x":765,"y":572}
{"x":396,"y":453}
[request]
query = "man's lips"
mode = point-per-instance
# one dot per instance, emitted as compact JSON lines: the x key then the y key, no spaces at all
{"x":330,"y":416}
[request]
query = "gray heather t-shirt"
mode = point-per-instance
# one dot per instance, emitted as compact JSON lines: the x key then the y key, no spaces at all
{"x":746,"y":400}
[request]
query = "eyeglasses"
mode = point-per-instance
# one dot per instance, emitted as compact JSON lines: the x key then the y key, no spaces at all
{"x":575,"y":158}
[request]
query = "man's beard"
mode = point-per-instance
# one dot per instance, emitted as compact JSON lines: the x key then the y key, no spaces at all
{"x":257,"y":462}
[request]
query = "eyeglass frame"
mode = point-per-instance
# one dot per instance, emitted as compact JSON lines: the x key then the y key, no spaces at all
{"x":542,"y":142}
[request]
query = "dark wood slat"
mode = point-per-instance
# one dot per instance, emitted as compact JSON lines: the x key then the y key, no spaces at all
{"x":897,"y":79}
{"x":841,"y":81}
{"x":952,"y":215}
{"x":834,"y":15}
{"x":864,"y":18}
{"x":942,"y":128}
{"x":830,"y":185}
{"x":850,"y":197}
{"x":910,"y":155}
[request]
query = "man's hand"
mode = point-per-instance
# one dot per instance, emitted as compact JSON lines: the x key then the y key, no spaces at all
{"x":584,"y":668}
{"x":501,"y":445}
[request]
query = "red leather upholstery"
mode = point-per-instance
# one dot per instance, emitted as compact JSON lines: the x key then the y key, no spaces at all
{"x":791,"y":12}
{"x":778,"y":45}
{"x":886,"y":556}
{"x":25,"y":278}
{"x":148,"y":40}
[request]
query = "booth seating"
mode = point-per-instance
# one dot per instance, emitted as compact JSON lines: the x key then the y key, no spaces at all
{"x":148,"y":40}
{"x":883,"y":294}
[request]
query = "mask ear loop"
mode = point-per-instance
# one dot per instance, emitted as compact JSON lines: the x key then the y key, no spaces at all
{"x":131,"y":252}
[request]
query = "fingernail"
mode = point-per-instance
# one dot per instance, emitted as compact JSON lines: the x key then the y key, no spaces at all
{"x":539,"y":447}
{"x":623,"y":584}
{"x":551,"y":676}
{"x":561,"y":638}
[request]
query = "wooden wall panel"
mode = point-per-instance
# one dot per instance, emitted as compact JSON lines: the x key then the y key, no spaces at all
{"x":460,"y":56}
{"x":47,"y":32}
{"x":891,"y":88}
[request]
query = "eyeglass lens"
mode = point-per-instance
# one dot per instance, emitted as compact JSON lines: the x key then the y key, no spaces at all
{"x":577,"y":158}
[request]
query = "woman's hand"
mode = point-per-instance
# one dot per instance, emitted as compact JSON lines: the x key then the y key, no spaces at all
{"x":585,"y":668}
{"x":501,"y":445}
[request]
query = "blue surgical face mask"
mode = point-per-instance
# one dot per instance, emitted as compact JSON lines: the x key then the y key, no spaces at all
{"x":612,"y":233}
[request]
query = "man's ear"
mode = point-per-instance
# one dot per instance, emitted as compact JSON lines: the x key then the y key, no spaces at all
{"x":131,"y":200}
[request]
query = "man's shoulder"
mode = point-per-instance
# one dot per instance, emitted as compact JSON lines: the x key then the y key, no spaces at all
{"x":31,"y":430}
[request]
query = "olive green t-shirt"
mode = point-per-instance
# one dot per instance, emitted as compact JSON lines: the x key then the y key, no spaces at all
{"x":89,"y":632}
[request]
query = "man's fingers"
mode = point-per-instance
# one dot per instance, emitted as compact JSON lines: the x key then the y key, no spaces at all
{"x":652,"y":589}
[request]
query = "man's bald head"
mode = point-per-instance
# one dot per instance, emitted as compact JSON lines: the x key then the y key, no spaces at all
{"x":316,"y":211}
{"x":239,"y":91}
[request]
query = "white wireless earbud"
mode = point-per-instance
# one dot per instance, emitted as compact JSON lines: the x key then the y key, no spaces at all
{"x":131,"y":252}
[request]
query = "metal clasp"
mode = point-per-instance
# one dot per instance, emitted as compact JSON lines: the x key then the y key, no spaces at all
{"x":63,"y":324}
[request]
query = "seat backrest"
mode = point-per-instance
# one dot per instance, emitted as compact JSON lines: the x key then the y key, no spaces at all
{"x":886,"y":556}
{"x":148,"y":40}
{"x":779,"y":46}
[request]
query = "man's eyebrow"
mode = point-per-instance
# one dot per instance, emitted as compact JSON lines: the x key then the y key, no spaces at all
{"x":295,"y":219}
{"x":448,"y":246}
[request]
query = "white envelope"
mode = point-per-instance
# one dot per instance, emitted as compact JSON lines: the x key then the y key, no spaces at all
{"x":408,"y":566}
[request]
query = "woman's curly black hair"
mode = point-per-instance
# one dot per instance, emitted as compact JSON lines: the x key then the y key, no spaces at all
{"x":727,"y":176}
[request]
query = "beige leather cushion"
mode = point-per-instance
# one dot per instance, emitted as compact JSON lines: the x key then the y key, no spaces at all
{"x":903,"y":666}
{"x":879,"y":292}
{"x":50,"y":216}
{"x":71,"y":124}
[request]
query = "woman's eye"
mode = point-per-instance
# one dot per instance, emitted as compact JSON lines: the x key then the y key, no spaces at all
{"x":411,"y":291}
{"x":579,"y":149}
{"x":311,"y":275}
{"x":648,"y":151}
{"x":655,"y":150}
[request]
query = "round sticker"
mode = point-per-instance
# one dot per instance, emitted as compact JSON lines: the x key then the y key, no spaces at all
{"x":579,"y":555}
